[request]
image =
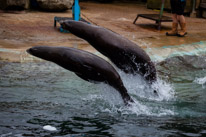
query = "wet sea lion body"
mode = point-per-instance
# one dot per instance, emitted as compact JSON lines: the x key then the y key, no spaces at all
{"x":84,"y":64}
{"x":125,"y":54}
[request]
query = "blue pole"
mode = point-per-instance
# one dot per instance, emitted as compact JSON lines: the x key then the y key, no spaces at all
{"x":76,"y":10}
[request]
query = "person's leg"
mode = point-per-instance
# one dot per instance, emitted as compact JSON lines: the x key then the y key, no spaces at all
{"x":174,"y":18}
{"x":181,"y":18}
{"x":182,"y":22}
{"x":173,"y":32}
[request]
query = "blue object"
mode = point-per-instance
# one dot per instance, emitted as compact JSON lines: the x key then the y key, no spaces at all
{"x":63,"y":30}
{"x":76,"y":11}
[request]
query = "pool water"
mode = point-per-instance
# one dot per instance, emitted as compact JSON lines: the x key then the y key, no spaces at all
{"x":40,"y":93}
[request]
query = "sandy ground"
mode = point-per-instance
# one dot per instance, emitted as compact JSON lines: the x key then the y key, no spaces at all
{"x":19,"y":31}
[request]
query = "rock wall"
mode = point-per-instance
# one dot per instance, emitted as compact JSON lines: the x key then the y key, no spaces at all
{"x":48,"y":5}
{"x":55,"y":5}
{"x":14,"y":4}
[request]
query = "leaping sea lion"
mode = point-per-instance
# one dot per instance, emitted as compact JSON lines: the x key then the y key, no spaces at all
{"x":125,"y":54}
{"x":84,"y":64}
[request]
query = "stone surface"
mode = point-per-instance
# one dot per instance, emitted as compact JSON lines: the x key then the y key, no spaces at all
{"x":55,"y":5}
{"x":14,"y":4}
{"x":19,"y":32}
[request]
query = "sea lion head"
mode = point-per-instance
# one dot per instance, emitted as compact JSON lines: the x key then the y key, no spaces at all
{"x":43,"y":52}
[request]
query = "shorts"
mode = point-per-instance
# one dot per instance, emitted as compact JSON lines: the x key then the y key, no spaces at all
{"x":178,"y":6}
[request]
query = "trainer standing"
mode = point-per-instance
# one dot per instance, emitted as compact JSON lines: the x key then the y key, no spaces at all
{"x":177,"y":7}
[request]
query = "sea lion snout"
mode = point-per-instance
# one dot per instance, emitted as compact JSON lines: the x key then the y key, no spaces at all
{"x":34,"y":50}
{"x":65,"y":24}
{"x":29,"y":50}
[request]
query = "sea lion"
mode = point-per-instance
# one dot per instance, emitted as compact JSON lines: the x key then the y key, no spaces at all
{"x":125,"y":54}
{"x":84,"y":64}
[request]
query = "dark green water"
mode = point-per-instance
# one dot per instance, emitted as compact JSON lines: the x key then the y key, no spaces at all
{"x":36,"y":94}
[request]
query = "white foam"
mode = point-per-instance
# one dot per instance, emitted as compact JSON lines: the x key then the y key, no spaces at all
{"x":110,"y":94}
{"x":49,"y":128}
{"x":146,"y":101}
{"x":164,"y":90}
{"x":138,"y":108}
{"x":200,"y":81}
{"x":137,"y":86}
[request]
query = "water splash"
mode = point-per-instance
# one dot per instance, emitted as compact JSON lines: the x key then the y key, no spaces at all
{"x":165,"y":90}
{"x":144,"y":95}
{"x":138,"y":108}
{"x":137,"y":86}
{"x":143,"y":43}
{"x":110,"y":95}
{"x":201,"y":81}
{"x":146,"y":101}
